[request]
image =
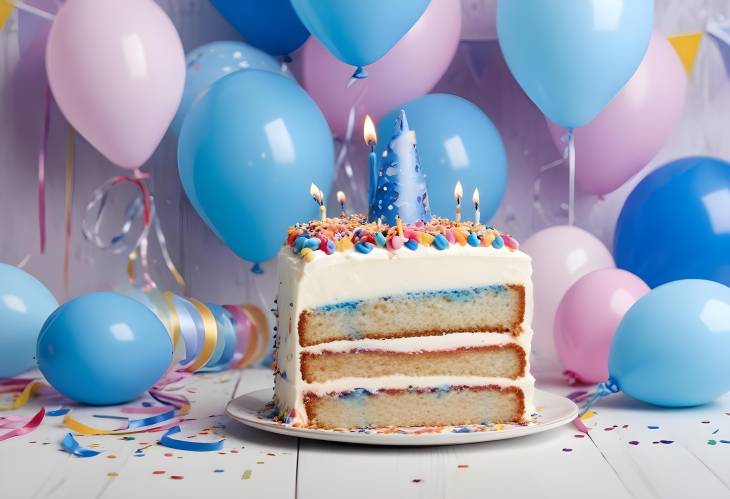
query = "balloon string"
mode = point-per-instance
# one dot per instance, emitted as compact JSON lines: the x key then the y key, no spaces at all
{"x":68,"y":205}
{"x":45,"y":122}
{"x":571,"y":177}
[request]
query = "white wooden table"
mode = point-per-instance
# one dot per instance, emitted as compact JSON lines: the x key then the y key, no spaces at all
{"x":622,"y":457}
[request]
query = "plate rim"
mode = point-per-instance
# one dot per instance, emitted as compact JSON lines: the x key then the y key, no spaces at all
{"x":397,"y":439}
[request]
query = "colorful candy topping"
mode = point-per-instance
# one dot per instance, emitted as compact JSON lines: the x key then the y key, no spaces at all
{"x":355,"y":233}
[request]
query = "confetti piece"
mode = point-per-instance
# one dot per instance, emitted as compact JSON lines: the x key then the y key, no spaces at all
{"x":608,"y":429}
{"x":653,"y":427}
{"x":112,"y":474}
{"x":579,"y":435}
{"x":270,"y":454}
{"x":462,"y":466}
{"x":711,"y":442}
{"x":667,"y":442}
{"x":705,"y":422}
{"x":588,"y":415}
{"x":416,"y":480}
{"x":218,"y":470}
{"x":168,"y":454}
{"x":633,"y":442}
{"x":715,"y":432}
{"x":567,"y":449}
{"x":158,"y":472}
{"x":625,"y":426}
{"x":725,"y":441}
{"x":259,"y":462}
{"x":246,"y":475}
{"x":111,"y":456}
{"x":127,"y":438}
{"x":176,"y":477}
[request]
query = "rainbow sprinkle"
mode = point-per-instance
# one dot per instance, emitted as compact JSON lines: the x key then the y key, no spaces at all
{"x":354,"y":233}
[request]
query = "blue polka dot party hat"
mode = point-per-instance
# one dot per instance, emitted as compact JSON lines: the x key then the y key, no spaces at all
{"x":401,"y":184}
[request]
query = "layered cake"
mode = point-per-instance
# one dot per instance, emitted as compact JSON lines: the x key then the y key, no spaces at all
{"x":390,"y":322}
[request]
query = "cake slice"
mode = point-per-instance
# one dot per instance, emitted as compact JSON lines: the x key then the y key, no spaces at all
{"x":433,"y":333}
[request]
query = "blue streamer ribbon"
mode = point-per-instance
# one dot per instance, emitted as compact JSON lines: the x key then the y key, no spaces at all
{"x":608,"y":387}
{"x":71,"y":446}
{"x":173,"y":443}
{"x":58,"y":412}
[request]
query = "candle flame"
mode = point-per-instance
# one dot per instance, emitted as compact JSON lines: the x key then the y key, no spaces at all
{"x":316,"y":193}
{"x":458,"y":192}
{"x":369,"y":131}
{"x":475,"y":198}
{"x":341,"y":198}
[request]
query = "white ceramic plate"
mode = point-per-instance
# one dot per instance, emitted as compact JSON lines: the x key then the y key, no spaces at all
{"x":553,"y":410}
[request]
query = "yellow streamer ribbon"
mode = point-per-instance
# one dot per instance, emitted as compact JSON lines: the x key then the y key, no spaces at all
{"x":210,"y":336}
{"x":30,"y":389}
{"x":77,"y":426}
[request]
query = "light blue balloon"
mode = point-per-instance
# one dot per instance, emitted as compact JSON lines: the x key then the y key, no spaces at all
{"x":572,"y":57}
{"x":103,"y":348}
{"x":672,"y":347}
{"x":248,"y":150}
{"x":211,"y":62}
{"x":456,"y":141}
{"x":25,"y":303}
{"x":359,"y":33}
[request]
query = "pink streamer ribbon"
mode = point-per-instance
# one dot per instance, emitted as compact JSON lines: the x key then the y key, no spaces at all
{"x":45,"y":125}
{"x":31,"y":425}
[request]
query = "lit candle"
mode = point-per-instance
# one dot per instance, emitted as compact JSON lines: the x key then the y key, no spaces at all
{"x":342,"y":199}
{"x":458,"y":194}
{"x":475,"y":199}
{"x":371,"y":139}
{"x":399,"y":223}
{"x":319,"y":199}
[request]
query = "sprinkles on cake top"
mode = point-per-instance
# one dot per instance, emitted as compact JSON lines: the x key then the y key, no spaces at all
{"x":355,"y":233}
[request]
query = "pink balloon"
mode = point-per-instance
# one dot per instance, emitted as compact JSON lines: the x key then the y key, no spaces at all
{"x":560,"y":256}
{"x":117,"y":71}
{"x":587,"y":318}
{"x":634,"y":126}
{"x":410,"y":69}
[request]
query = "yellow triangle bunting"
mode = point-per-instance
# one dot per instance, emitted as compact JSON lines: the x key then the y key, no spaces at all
{"x":5,"y":9}
{"x":687,"y":46}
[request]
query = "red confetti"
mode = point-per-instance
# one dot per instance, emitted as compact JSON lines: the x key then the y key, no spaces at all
{"x":176,"y":477}
{"x":158,"y":472}
{"x":634,"y":442}
{"x":579,"y":435}
{"x":462,"y":466}
{"x":168,"y":454}
{"x":416,"y":480}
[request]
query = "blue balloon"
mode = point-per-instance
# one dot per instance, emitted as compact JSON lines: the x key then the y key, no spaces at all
{"x":675,"y":224}
{"x":572,"y":57}
{"x":271,"y":25}
{"x":25,"y":303}
{"x":248,"y":150}
{"x":672,"y":347}
{"x":103,"y":348}
{"x":213,"y":61}
{"x":359,"y":33}
{"x":456,"y":141}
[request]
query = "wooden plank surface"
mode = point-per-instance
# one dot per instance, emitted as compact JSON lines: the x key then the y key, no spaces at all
{"x":619,"y":459}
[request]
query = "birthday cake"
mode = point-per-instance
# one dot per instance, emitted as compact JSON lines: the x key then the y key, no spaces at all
{"x":399,"y":318}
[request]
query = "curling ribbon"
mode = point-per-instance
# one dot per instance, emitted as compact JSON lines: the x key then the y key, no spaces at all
{"x":27,"y":428}
{"x":130,"y":426}
{"x":143,"y":205}
{"x":70,"y":445}
{"x":173,"y":443}
{"x":43,"y":147}
{"x":30,"y":389}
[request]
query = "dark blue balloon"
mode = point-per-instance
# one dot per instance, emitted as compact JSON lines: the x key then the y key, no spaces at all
{"x":271,"y":25}
{"x":676,"y":223}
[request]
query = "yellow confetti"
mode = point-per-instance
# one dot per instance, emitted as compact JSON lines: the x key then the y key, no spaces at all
{"x":112,"y":474}
{"x":588,"y":415}
{"x":246,"y":475}
{"x":499,"y":426}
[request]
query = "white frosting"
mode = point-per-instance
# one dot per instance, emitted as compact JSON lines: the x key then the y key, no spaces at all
{"x":350,"y":275}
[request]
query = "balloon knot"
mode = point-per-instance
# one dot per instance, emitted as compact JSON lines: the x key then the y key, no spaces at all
{"x":360,"y":73}
{"x":256,"y":269}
